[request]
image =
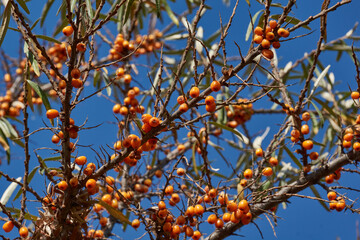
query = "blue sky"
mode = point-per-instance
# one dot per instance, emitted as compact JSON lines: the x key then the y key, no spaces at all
{"x":303,"y":218}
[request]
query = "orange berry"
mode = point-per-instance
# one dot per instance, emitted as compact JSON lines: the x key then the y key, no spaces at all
{"x":272,"y":24}
{"x":52,"y":113}
{"x":307,"y":144}
{"x":306,"y":116}
{"x":23,"y":232}
{"x":270,"y":36}
{"x":265,"y":43}
{"x":243,"y":182}
{"x":215,"y":86}
{"x":211,"y":107}
{"x":154,"y":122}
{"x":258,"y":39}
{"x":331,"y":195}
{"x":176,"y":230}
{"x":180,"y":171}
{"x":231,"y":206}
{"x":81,"y":47}
{"x":181,"y":220}
{"x":219,"y":223}
{"x":276,"y":45}
{"x":68,"y":30}
{"x":248,"y":173}
{"x":305,"y":129}
{"x":314,"y":155}
{"x":267,"y":171}
{"x":190,"y":211}
{"x":329,"y":179}
{"x":183,"y":107}
{"x":212,"y":193}
{"x":120,"y":72}
{"x":199,"y":209}
{"x":194,"y":92}
{"x":74,"y":182}
{"x":283,"y":32}
{"x":273,"y":161}
{"x":209,"y":100}
{"x":355,"y":95}
{"x":8,"y":226}
{"x":90,"y":184}
{"x":196,"y":235}
{"x":259,"y":152}
{"x":267,"y":53}
{"x":340,"y":205}
{"x":226,"y":217}
{"x":169,"y":190}
{"x":223,"y":198}
{"x":258,"y":31}
{"x":348,"y":137}
{"x":107,"y":198}
{"x":103,"y":221}
{"x":243,"y":205}
{"x":356,"y":146}
{"x":158,"y":173}
{"x":127,"y":78}
{"x":181,"y":99}
{"x":346,"y":144}
{"x":63,"y":185}
{"x":81,"y":160}
{"x":75,"y":73}
{"x":55,"y":139}
{"x":99,"y":234}
{"x":135,"y":223}
{"x":295,"y":133}
{"x":212,"y":219}
{"x":162,"y":205}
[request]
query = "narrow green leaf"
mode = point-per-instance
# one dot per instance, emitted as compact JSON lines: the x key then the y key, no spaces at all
{"x":23,"y":5}
{"x":157,"y":2}
{"x":316,"y":194}
{"x":5,"y":22}
{"x":106,"y":80}
{"x":41,"y":94}
{"x":194,"y":159}
{"x":29,"y":97}
{"x":35,"y":23}
{"x":89,"y":9}
{"x":114,"y":212}
{"x":30,"y":177}
{"x":31,"y":58}
{"x":27,"y":216}
{"x":248,"y":2}
{"x":9,"y":191}
{"x":47,"y":38}
{"x":45,"y":11}
{"x":291,"y":20}
{"x":250,"y":26}
{"x":292,"y":156}
{"x":170,"y":13}
{"x":321,"y":123}
{"x":127,"y":11}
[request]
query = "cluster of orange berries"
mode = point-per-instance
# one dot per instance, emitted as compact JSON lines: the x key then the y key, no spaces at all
{"x":131,"y":104}
{"x":333,"y":176}
{"x":142,"y":44}
{"x":269,"y":36}
{"x":337,"y":203}
{"x":241,"y":113}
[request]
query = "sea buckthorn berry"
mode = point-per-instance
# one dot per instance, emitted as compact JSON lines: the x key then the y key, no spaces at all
{"x":268,"y":29}
{"x":52,"y":113}
{"x":120,"y":72}
{"x":209,"y":100}
{"x":145,"y":118}
{"x":99,"y":234}
{"x":196,"y":235}
{"x":276,"y":45}
{"x":305,"y":129}
{"x":107,"y":198}
{"x":81,"y":160}
{"x":273,"y":161}
{"x":81,"y":47}
{"x":348,"y":137}
{"x":75,"y":73}
{"x":329,"y":179}
{"x":219,"y":223}
{"x":90,"y":184}
{"x":181,"y":220}
{"x":223,"y":198}
{"x":243,"y":205}
{"x":199,"y":209}
{"x":181,"y":99}
{"x":215,"y":86}
{"x":306,"y":116}
{"x":231,"y":206}
{"x":183,"y":107}
{"x":190,"y":211}
{"x":340,"y":205}
{"x":258,"y":39}
{"x":88,"y":171}
{"x":295,"y":133}
{"x":23,"y":232}
{"x":8,"y":226}
{"x":265,"y":43}
{"x":258,"y":31}
{"x":68,"y":30}
{"x":355,"y":95}
{"x":194,"y":92}
{"x":210,"y":107}
{"x":270,"y":36}
{"x":307,"y":168}
{"x":259,"y":152}
{"x":180,"y":171}
{"x":226,"y":217}
{"x":103,"y":221}
{"x":356,"y":146}
{"x":346,"y":144}
{"x":76,"y":83}
{"x":127,"y":78}
{"x":233,"y":218}
{"x":212,"y":193}
{"x":331,"y":195}
{"x":169,"y":190}
{"x":135,"y":223}
{"x":314,"y":155}
{"x":158,"y":173}
{"x":273,"y":24}
{"x":55,"y":139}
{"x":267,"y":53}
{"x":243,"y":182}
{"x":282,"y":32}
{"x":248,"y":173}
{"x":267,"y":171}
{"x":154,"y":122}
{"x":74,"y":181}
{"x":212,"y":219}
{"x":308,"y":144}
{"x":63,"y":185}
